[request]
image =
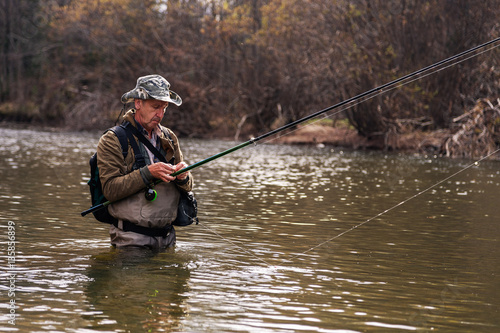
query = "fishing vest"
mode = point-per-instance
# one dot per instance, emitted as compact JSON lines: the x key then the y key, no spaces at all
{"x":158,"y":213}
{"x":136,"y":209}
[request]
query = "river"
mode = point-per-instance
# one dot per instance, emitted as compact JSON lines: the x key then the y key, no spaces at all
{"x":291,"y":239}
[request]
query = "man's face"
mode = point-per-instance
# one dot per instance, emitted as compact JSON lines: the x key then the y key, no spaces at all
{"x":149,"y":112}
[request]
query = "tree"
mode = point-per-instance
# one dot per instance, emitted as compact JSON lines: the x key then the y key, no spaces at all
{"x":20,"y":32}
{"x":245,"y":67}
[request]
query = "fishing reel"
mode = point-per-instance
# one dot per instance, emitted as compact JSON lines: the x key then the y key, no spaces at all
{"x":150,"y":194}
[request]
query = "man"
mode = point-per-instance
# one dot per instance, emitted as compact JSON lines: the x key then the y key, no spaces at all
{"x":142,"y":222}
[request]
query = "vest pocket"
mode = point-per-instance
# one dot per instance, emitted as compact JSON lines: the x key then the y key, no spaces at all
{"x":153,"y":214}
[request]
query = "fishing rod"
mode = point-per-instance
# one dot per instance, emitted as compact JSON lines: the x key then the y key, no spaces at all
{"x":378,"y":89}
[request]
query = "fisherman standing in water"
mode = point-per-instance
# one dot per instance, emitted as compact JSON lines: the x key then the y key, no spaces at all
{"x":141,"y":222}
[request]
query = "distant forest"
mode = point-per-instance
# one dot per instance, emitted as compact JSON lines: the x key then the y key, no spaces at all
{"x":244,"y":67}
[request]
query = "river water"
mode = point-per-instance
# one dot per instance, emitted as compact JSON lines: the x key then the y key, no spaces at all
{"x":291,"y":239}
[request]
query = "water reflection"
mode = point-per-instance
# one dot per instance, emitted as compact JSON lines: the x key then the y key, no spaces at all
{"x":151,"y":285}
{"x":266,"y":256}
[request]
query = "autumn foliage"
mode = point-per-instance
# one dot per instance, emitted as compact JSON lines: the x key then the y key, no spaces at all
{"x":245,"y":67}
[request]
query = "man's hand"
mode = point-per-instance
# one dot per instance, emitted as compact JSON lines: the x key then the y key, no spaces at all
{"x":180,"y":166}
{"x":162,"y":171}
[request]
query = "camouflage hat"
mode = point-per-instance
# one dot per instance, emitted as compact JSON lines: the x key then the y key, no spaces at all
{"x":152,"y":87}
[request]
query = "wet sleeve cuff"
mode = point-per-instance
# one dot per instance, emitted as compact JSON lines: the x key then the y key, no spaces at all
{"x":146,"y":175}
{"x":182,"y":181}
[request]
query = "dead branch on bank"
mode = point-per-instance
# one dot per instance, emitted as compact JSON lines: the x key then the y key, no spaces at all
{"x":477,"y":132}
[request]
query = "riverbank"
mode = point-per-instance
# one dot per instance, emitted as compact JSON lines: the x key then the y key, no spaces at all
{"x":474,"y":134}
{"x":414,"y":142}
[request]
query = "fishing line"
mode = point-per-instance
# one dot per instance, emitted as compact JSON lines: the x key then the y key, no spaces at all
{"x":407,"y":79}
{"x":234,"y":244}
{"x":397,"y":205}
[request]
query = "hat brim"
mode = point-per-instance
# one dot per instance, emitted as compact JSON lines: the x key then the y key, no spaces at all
{"x":170,"y":96}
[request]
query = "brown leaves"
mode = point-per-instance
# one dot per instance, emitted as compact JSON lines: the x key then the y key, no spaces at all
{"x":477,"y":132}
{"x":266,"y":62}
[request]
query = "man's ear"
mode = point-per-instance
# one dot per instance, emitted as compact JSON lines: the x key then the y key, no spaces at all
{"x":137,"y":103}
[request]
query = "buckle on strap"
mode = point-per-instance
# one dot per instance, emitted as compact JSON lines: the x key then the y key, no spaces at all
{"x":151,"y":232}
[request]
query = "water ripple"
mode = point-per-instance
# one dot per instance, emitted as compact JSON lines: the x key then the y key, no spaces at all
{"x":266,"y":256}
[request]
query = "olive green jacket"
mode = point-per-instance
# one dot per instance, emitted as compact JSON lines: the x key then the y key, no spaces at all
{"x":117,"y":176}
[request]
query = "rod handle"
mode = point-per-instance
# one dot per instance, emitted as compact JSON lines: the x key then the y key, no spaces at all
{"x":95,"y":208}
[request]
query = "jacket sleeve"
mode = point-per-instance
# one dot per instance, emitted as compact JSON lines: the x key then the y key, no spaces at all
{"x":117,"y":181}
